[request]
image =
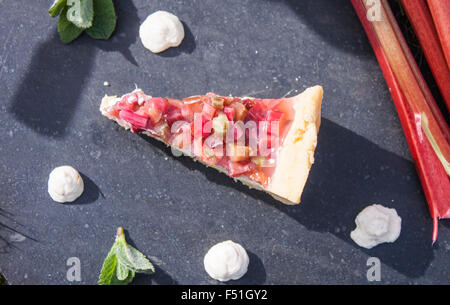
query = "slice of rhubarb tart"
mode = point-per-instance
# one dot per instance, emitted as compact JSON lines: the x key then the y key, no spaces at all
{"x":267,"y":144}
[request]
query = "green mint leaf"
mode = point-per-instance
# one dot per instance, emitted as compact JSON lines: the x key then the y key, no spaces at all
{"x":113,"y":273}
{"x":122,"y":271}
{"x":81,"y":13}
{"x":108,"y":271}
{"x":122,"y":263}
{"x":66,"y":29}
{"x":57,"y":7}
{"x":133,"y":259}
{"x":104,"y":20}
{"x":109,"y":274}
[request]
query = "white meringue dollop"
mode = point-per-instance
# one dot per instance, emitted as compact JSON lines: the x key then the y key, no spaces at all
{"x":226,"y":261}
{"x":160,"y":31}
{"x":65,"y":184}
{"x":376,"y":224}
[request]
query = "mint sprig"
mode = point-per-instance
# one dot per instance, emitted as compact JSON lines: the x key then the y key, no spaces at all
{"x":123,"y":262}
{"x":96,"y":17}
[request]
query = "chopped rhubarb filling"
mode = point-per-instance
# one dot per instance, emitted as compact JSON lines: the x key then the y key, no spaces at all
{"x":241,"y":135}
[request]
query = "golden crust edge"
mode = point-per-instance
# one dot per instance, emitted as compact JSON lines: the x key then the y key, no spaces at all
{"x":297,"y":154}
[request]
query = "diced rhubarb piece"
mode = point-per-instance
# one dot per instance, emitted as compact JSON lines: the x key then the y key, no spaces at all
{"x":125,"y":103}
{"x":181,"y":135}
{"x":266,"y":128}
{"x":181,"y":127}
{"x":213,"y":141}
{"x":276,"y":116}
{"x":240,"y":111}
{"x":217,"y":102}
{"x":137,"y":122}
{"x":207,"y":128}
{"x":257,"y":113}
{"x":192,"y":99}
{"x":173,"y":115}
{"x":224,"y":162}
{"x":126,"y":106}
{"x":261,"y":161}
{"x":213,"y":147}
{"x":271,"y":103}
{"x":162,"y":130}
{"x":237,"y":131}
{"x":251,"y":136}
{"x":229,"y":112}
{"x":254,"y":116}
{"x":153,"y":108}
{"x":174,"y":102}
{"x":273,"y":115}
{"x":248,"y":103}
{"x":208,"y":96}
{"x":274,"y":122}
{"x":259,"y":177}
{"x":201,"y":127}
{"x":187,"y":113}
{"x":266,"y":143}
{"x":208,"y":111}
{"x":239,"y":168}
{"x":154,"y":112}
{"x":181,"y":140}
{"x":160,"y":102}
{"x":220,"y":125}
{"x":238,"y":153}
{"x":259,"y":106}
{"x":286,"y":107}
{"x":228,"y":100}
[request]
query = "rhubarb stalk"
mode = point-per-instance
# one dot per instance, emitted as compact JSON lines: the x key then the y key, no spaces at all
{"x":420,"y":17}
{"x":411,"y":98}
{"x":440,"y":10}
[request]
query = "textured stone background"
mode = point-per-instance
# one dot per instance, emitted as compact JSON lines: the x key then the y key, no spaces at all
{"x":173,"y":208}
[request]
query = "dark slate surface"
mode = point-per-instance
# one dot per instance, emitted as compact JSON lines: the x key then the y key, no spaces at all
{"x":173,"y":208}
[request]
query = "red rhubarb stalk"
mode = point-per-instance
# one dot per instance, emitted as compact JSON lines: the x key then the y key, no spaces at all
{"x":409,"y":77}
{"x":410,"y":102}
{"x":408,"y":74}
{"x":420,"y":17}
{"x":440,"y":10}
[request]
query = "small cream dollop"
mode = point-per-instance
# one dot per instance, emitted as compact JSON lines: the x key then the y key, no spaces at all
{"x":226,"y":261}
{"x":160,"y":31}
{"x":65,"y":184}
{"x":376,"y":224}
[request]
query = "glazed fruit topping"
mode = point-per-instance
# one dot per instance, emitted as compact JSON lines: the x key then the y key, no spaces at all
{"x":137,"y":122}
{"x":241,"y":135}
